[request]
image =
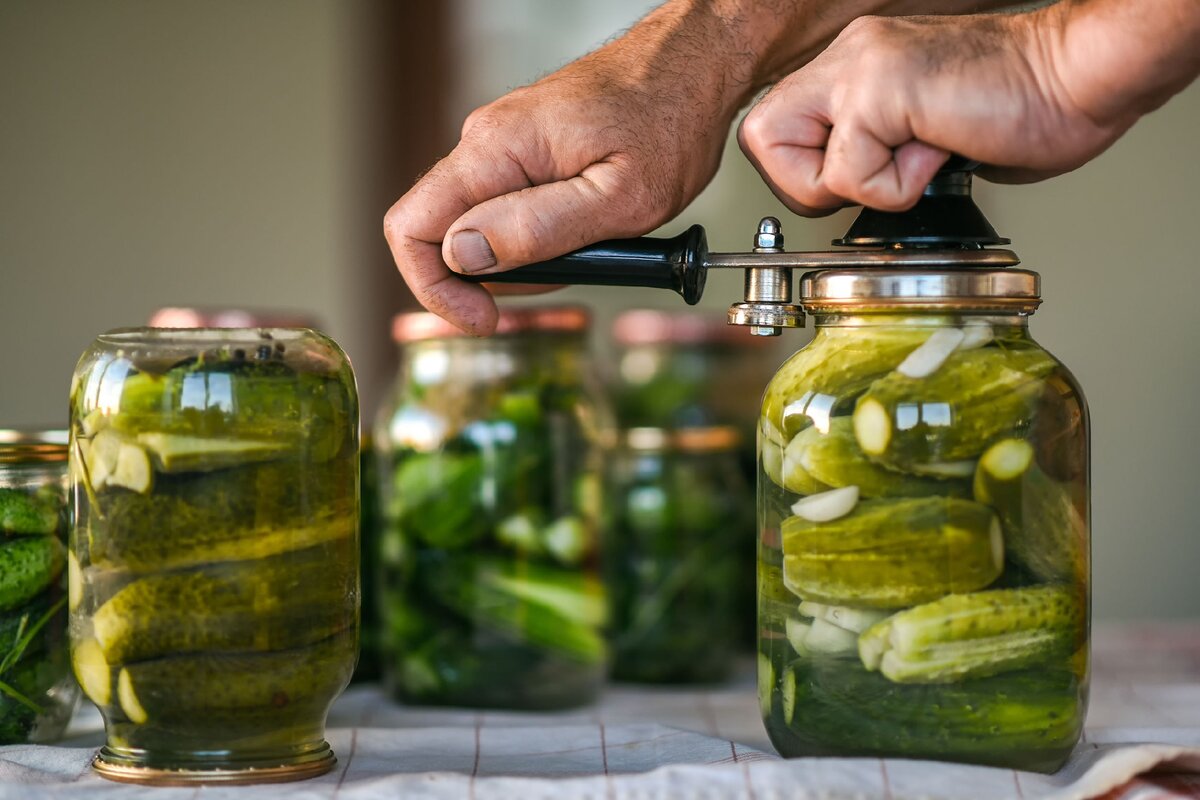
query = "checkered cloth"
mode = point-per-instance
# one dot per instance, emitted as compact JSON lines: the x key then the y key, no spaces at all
{"x":1142,"y":742}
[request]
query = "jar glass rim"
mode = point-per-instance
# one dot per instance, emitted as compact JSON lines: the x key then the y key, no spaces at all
{"x":21,"y":445}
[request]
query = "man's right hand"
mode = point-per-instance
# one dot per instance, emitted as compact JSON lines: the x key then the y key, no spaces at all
{"x":611,"y":145}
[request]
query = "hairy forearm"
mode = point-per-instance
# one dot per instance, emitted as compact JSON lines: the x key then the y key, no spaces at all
{"x":1119,"y":59}
{"x":728,"y":50}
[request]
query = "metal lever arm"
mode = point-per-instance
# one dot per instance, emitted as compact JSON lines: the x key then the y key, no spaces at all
{"x":679,"y":264}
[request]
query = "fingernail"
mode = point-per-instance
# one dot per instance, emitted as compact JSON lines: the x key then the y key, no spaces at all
{"x":471,"y":251}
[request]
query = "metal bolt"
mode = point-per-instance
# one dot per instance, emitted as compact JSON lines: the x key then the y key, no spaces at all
{"x":769,"y":235}
{"x":765,"y":330}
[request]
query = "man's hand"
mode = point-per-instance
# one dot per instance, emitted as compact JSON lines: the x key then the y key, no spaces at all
{"x":611,"y":145}
{"x":1031,"y":95}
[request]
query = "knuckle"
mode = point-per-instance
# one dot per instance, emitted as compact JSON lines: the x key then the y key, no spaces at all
{"x":754,"y":132}
{"x":394,"y":223}
{"x":867,"y":28}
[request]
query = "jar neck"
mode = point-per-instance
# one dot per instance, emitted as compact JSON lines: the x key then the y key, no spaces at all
{"x":1007,"y":321}
{"x":558,"y":356}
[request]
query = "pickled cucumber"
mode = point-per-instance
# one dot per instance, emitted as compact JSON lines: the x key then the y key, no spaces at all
{"x":227,"y":399}
{"x":833,"y":458}
{"x":250,"y":512}
{"x":1029,"y":719}
{"x":893,"y":553}
{"x":275,"y":604}
{"x":832,"y":370}
{"x":975,"y":635}
{"x":976,"y":397}
{"x":1044,"y":527}
{"x":178,"y":688}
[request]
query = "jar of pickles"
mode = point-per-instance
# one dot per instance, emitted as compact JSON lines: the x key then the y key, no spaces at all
{"x":675,"y":370}
{"x":214,"y":549}
{"x":679,"y":519}
{"x":924,"y":526}
{"x":39,"y":693}
{"x":490,"y":478}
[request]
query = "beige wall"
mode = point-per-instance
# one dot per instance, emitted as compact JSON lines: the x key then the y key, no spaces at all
{"x":165,"y":153}
{"x":155,"y":152}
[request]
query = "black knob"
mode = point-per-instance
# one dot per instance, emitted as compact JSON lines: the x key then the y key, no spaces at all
{"x":945,"y":217}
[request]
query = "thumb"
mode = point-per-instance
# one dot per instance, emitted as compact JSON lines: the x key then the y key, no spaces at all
{"x":545,"y":221}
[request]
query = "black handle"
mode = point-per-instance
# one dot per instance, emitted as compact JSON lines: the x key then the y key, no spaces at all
{"x":678,"y":264}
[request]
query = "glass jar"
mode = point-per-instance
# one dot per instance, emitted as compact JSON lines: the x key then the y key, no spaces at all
{"x":35,"y":669}
{"x":218,"y":317}
{"x":368,"y":533}
{"x":674,"y":370}
{"x":924,"y":527}
{"x":215,"y":528}
{"x":683,"y":370}
{"x":490,"y":479}
{"x":670,"y":558}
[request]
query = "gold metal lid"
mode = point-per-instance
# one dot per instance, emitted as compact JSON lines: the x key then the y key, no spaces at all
{"x":711,"y":439}
{"x":28,"y":446}
{"x":866,"y":289}
{"x":644,"y":326}
{"x":416,"y":326}
{"x":180,"y":317}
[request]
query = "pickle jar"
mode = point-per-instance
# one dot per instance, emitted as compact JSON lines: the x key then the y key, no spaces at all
{"x":214,"y":549}
{"x":924,"y":526}
{"x":679,"y":521}
{"x":491,"y":452}
{"x":35,"y":668}
{"x":676,"y":370}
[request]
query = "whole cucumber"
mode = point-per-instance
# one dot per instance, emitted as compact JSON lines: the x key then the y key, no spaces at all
{"x":25,"y":512}
{"x":251,"y":606}
{"x":28,"y":564}
{"x":893,"y":553}
{"x":964,"y":636}
{"x":228,"y":688}
{"x":305,"y":413}
{"x":250,"y":512}
{"x":975,"y":397}
{"x":1027,"y":720}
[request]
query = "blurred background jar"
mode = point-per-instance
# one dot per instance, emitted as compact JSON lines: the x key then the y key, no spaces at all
{"x":925,"y":526}
{"x":214,"y":609}
{"x":670,"y":559}
{"x":40,"y":693}
{"x":491,"y":458}
{"x":218,"y":317}
{"x":685,"y":370}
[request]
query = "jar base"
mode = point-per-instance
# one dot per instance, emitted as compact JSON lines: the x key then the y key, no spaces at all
{"x":122,"y":769}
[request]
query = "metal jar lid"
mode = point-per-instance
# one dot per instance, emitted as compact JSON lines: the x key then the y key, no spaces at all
{"x":708,"y":439}
{"x":418,"y":326}
{"x":832,"y":291}
{"x":30,"y":446}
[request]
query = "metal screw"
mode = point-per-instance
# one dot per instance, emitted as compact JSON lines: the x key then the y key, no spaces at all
{"x":765,"y":330}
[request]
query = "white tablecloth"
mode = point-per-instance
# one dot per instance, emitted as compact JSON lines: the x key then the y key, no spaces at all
{"x":694,"y":743}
